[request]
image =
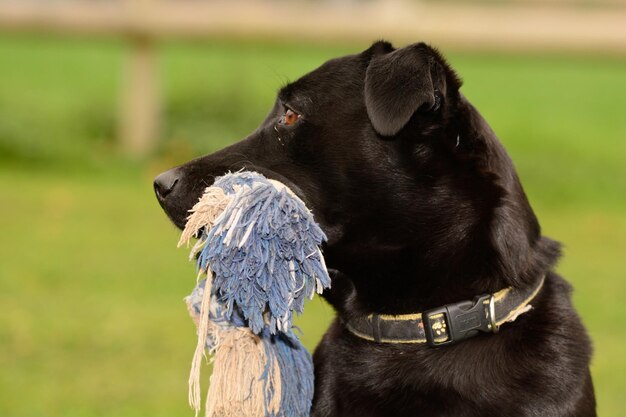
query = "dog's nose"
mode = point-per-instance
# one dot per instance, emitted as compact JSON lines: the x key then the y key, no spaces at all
{"x":164,"y":183}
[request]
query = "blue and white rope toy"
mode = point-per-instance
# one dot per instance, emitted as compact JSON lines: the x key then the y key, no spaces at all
{"x":259,"y":247}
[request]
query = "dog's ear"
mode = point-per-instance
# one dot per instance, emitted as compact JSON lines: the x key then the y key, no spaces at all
{"x":399,"y":83}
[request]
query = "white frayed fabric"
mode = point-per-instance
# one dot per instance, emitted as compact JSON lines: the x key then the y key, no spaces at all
{"x":203,"y":215}
{"x":203,"y":324}
{"x":235,"y":389}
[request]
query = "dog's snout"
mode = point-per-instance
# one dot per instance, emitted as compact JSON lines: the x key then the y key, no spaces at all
{"x":165,"y":183}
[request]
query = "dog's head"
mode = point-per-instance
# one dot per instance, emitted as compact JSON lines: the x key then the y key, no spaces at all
{"x":408,"y":181}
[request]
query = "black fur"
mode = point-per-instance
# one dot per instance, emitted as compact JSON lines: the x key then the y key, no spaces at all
{"x":422,"y":207}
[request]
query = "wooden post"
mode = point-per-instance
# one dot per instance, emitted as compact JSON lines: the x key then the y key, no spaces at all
{"x":140,"y":98}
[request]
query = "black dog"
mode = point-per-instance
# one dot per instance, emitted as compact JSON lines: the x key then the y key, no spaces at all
{"x":423,"y":209}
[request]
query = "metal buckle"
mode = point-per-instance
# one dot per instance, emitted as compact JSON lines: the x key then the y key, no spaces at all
{"x":493,"y":323}
{"x":459,"y":321}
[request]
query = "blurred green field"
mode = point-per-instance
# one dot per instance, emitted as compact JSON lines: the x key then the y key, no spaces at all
{"x":91,"y":285}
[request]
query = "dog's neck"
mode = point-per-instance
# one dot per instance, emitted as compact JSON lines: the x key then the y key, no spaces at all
{"x":399,"y":282}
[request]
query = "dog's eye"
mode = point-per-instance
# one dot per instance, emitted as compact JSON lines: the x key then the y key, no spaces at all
{"x":289,"y":118}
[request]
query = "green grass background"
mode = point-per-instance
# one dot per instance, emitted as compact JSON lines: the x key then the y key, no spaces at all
{"x":92,"y":321}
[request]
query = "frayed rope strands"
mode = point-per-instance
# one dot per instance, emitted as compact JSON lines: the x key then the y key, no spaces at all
{"x":259,"y":247}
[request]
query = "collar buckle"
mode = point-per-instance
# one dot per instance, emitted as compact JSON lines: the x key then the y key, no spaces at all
{"x":454,"y":322}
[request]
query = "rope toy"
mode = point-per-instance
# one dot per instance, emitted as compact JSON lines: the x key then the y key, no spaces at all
{"x":259,"y":248}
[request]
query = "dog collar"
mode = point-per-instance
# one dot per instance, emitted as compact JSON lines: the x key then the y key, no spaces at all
{"x":450,"y":323}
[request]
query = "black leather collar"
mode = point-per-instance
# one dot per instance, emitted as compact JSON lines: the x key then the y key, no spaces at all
{"x":450,"y":323}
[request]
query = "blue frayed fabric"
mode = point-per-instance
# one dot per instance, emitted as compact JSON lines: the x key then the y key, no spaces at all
{"x":296,"y":369}
{"x":263,"y":253}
